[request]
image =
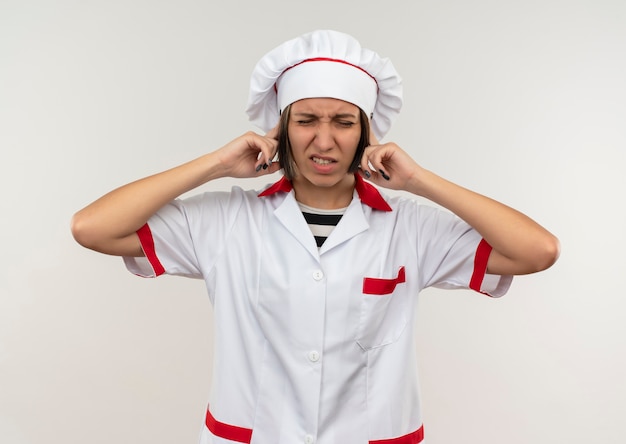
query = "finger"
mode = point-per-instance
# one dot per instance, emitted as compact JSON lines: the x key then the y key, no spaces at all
{"x":268,"y":148}
{"x":270,"y":153}
{"x":366,"y":165}
{"x":272,"y":168}
{"x":265,"y":168}
{"x":373,"y":139}
{"x":273,"y":133}
{"x":375,"y":161}
{"x":365,"y":173}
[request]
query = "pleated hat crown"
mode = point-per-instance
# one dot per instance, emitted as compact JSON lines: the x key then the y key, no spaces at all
{"x":324,"y":63}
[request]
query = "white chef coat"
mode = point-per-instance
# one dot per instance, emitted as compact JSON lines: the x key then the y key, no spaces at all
{"x":314,"y":345}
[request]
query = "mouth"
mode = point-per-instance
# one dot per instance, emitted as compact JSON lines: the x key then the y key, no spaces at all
{"x":320,"y":161}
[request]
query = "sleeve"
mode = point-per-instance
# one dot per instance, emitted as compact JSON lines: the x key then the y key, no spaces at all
{"x":172,"y":238}
{"x":452,"y":255}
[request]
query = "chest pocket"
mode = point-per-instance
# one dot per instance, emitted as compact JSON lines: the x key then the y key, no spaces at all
{"x":384,"y":307}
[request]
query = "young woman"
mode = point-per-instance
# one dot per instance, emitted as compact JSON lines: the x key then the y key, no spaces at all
{"x":314,"y":280}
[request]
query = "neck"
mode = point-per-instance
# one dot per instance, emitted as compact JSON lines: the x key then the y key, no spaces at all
{"x":332,"y":197}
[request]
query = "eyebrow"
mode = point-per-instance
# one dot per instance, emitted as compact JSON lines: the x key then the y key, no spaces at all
{"x":336,"y":116}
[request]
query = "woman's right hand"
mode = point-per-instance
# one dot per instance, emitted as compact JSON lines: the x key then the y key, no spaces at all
{"x":109,"y":224}
{"x":249,"y":155}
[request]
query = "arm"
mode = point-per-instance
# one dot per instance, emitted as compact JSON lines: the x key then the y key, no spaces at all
{"x":520,"y":245}
{"x":109,"y":224}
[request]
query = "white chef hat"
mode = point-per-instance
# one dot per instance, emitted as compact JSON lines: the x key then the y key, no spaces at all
{"x":324,"y":63}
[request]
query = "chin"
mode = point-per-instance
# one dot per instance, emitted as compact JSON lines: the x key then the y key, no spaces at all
{"x":326,"y":181}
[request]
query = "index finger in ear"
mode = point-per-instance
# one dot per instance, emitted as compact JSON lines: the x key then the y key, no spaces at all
{"x":373,"y":139}
{"x":365,"y":162}
{"x":273,"y":133}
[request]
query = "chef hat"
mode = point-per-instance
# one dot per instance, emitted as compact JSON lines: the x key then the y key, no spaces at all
{"x":324,"y":64}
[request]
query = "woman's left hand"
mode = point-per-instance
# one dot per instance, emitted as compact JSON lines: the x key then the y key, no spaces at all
{"x":520,"y":245}
{"x":389,"y":166}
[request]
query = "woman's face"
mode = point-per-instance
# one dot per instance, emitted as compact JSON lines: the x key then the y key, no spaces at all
{"x":324,"y":134}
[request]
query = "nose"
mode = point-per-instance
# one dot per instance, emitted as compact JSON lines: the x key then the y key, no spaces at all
{"x":324,"y":138}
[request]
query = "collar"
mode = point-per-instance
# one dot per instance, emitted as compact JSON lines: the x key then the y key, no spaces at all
{"x":368,"y":194}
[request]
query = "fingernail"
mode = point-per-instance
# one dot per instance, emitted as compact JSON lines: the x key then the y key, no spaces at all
{"x":259,"y":168}
{"x":367,"y":174}
{"x":265,"y":166}
{"x":382,"y":173}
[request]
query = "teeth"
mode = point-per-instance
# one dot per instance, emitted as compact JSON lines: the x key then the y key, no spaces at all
{"x":321,"y":161}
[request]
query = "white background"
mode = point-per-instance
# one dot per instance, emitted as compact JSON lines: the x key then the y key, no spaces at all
{"x":522,"y":100}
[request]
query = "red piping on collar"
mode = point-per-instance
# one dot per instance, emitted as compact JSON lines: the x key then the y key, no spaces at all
{"x":283,"y":185}
{"x":368,"y":194}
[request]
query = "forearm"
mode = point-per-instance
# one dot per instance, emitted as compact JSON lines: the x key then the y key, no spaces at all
{"x":520,"y":245}
{"x":107,"y":224}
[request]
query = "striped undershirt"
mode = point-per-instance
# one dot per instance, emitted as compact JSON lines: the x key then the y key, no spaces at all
{"x":321,"y":222}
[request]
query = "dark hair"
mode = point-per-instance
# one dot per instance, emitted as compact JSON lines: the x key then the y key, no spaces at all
{"x":285,"y":157}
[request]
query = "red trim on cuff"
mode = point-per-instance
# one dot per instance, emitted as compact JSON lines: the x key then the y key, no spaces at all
{"x":480,"y":265}
{"x":379,"y":287}
{"x":147,"y":244}
{"x":412,"y":438}
{"x":227,"y":431}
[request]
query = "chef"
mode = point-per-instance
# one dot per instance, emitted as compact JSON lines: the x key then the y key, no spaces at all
{"x":315,"y":279}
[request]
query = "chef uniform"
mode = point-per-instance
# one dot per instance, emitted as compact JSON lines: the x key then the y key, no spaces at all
{"x":315,"y":344}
